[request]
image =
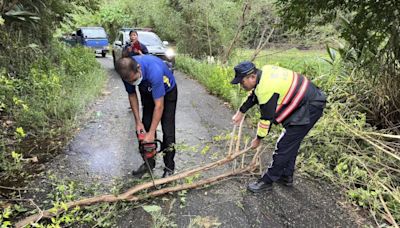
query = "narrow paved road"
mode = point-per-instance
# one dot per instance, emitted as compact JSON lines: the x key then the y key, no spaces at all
{"x":106,"y":148}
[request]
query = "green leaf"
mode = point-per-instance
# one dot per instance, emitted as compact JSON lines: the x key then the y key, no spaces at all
{"x":151,"y":208}
{"x":6,"y":224}
{"x":7,"y":213}
{"x":33,"y":46}
{"x":20,"y":132}
{"x":16,"y":156}
{"x":64,"y":206}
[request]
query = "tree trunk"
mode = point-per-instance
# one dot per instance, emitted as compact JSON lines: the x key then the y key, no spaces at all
{"x":246,"y":7}
{"x":261,"y":45}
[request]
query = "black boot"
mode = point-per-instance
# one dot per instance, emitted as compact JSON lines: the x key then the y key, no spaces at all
{"x":286,"y":180}
{"x":167,"y":173}
{"x":259,"y":186}
{"x":138,"y":173}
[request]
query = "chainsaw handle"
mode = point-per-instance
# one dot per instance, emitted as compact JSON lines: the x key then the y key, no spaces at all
{"x":140,"y":135}
{"x":157,"y":142}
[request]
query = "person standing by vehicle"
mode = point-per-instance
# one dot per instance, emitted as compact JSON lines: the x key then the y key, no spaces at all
{"x":134,"y":47}
{"x":284,"y":97}
{"x":158,"y":93}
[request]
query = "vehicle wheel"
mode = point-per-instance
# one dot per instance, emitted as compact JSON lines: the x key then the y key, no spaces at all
{"x":103,"y":54}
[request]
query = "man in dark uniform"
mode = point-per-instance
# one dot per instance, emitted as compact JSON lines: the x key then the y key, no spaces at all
{"x":284,"y":97}
{"x":158,"y":93}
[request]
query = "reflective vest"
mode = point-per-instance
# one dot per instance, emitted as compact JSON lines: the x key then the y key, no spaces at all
{"x":290,"y":86}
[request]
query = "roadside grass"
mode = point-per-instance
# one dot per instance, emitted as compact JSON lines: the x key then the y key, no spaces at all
{"x":342,"y":148}
{"x":41,"y":110}
{"x":292,"y":58}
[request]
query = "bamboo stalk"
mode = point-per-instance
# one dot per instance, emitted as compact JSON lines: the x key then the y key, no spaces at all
{"x":383,"y":135}
{"x":381,"y":143}
{"x":238,"y":141}
{"x":245,"y":147}
{"x":232,"y":139}
{"x":390,"y":191}
{"x":370,"y":173}
{"x":393,"y":221}
{"x":239,"y":135}
{"x":370,"y":159}
{"x":372,"y":143}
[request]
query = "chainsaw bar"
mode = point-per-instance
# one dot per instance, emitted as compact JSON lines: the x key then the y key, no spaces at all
{"x":150,"y":171}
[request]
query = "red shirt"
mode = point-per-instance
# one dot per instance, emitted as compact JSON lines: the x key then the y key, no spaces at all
{"x":136,"y":47}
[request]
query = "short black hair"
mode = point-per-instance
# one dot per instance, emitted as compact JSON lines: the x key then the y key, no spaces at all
{"x":132,"y":31}
{"x":124,"y":66}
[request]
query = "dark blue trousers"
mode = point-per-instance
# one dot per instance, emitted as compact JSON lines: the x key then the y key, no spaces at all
{"x":167,"y":124}
{"x":287,"y":147}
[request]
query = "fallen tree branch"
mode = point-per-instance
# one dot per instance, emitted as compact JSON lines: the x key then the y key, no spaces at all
{"x":183,"y":174}
{"x":128,"y":194}
{"x":193,"y":185}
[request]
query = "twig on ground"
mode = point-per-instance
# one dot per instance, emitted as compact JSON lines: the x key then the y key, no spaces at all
{"x":14,"y":189}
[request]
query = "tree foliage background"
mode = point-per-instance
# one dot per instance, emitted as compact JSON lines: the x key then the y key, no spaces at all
{"x":365,"y":34}
{"x":44,"y":85}
{"x":28,"y":28}
{"x":198,"y":28}
{"x":370,"y":51}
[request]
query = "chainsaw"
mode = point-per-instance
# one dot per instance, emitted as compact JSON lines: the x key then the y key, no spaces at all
{"x":148,"y":150}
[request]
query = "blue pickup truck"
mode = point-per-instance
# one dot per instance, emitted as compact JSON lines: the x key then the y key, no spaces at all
{"x":92,"y":37}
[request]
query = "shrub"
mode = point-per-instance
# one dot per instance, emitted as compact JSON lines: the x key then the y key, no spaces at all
{"x":47,"y":103}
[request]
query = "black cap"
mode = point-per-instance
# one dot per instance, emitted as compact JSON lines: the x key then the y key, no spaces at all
{"x":242,"y":70}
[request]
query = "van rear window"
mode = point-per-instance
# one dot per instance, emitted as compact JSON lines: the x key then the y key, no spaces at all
{"x":94,"y":33}
{"x":149,"y":39}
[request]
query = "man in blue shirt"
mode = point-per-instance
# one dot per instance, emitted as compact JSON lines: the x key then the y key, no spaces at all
{"x":158,"y":93}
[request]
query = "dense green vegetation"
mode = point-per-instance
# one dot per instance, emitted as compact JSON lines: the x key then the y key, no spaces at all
{"x":371,"y":31}
{"x":39,"y":111}
{"x":343,"y":147}
{"x":44,"y":85}
{"x":199,"y":28}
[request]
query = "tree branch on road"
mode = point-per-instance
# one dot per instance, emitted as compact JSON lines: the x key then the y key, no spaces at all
{"x":129,"y":194}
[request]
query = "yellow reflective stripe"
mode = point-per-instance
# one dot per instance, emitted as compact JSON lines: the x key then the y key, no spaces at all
{"x":166,"y":81}
{"x":263,"y":127}
{"x":274,"y":79}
